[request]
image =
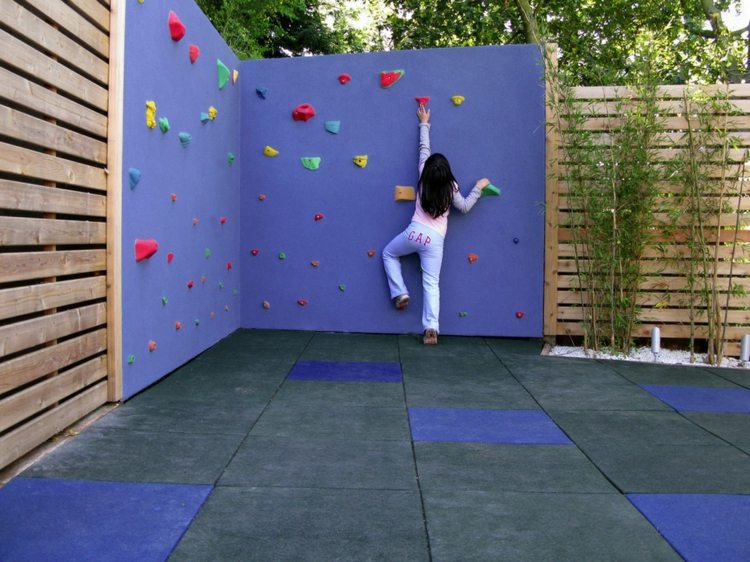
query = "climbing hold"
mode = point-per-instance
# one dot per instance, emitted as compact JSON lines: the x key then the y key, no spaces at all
{"x":261,"y":92}
{"x":176,"y":27}
{"x":226,"y":308}
{"x":195,"y":221}
{"x":190,"y":284}
{"x":235,"y":75}
{"x":170,"y":257}
{"x":463,"y":314}
{"x":389,"y":77}
{"x":404,"y":193}
{"x":315,"y":263}
{"x":318,"y":217}
{"x":151,"y":114}
{"x":472,"y":258}
{"x":519,"y":314}
{"x":254,"y":252}
{"x":131,"y":359}
{"x":303,"y":112}
{"x":164,"y":301}
{"x":222,"y":220}
{"x":203,"y":278}
{"x":302,"y":302}
{"x":212,"y":113}
{"x":204,"y":117}
{"x":457,"y":100}
{"x":342,"y":287}
{"x":193,"y":52}
{"x":207,"y":253}
{"x":235,"y":292}
{"x":370,"y":253}
{"x":197,"y":322}
{"x":178,"y":325}
{"x":311,"y":162}
{"x":333,"y":127}
{"x":212,"y":315}
{"x":223,"y":73}
{"x":144,"y":249}
{"x":261,"y":197}
{"x":490,"y":190}
{"x":185,"y":139}
{"x":173,"y":197}
{"x":221,"y":285}
{"x":270,"y":151}
{"x":516,"y":240}
{"x":229,"y":265}
{"x":282,"y":256}
{"x":230,"y":158}
{"x":266,"y":305}
{"x":163,"y":124}
{"x":423,"y":100}
{"x":344,"y":78}
{"x":152,"y":345}
{"x":135,"y":176}
{"x":360,"y":160}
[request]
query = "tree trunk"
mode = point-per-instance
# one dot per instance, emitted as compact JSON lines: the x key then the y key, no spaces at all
{"x":529,"y":22}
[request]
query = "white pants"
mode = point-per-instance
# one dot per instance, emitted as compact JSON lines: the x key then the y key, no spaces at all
{"x":420,"y":239}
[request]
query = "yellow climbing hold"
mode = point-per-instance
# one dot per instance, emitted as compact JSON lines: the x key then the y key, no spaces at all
{"x":151,"y":114}
{"x":212,"y":113}
{"x":360,"y":160}
{"x":269,"y":151}
{"x":457,"y":100}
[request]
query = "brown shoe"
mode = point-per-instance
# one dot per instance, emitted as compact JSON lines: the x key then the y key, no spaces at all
{"x":401,"y":301}
{"x":430,"y":337}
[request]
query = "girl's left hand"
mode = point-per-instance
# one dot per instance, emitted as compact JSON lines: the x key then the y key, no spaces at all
{"x":481,"y":184}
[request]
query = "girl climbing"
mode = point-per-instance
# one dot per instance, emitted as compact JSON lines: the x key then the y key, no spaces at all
{"x":426,"y":232}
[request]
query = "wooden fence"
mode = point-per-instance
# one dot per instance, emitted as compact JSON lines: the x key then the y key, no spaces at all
{"x":663,"y":295}
{"x":58,"y":185}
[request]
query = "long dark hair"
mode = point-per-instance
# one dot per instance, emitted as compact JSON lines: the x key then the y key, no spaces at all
{"x":436,"y":185}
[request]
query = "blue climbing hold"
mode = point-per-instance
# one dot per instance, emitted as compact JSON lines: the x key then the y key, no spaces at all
{"x":135,"y":176}
{"x":261,"y":92}
{"x":185,"y":139}
{"x":333,"y":127}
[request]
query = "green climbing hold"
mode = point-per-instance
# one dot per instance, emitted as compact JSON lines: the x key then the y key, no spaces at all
{"x":223,"y":73}
{"x":333,"y":127}
{"x":204,"y":117}
{"x":463,"y":314}
{"x":235,"y":292}
{"x":207,"y":253}
{"x":342,"y":287}
{"x":230,"y":158}
{"x":490,"y":190}
{"x":282,"y":256}
{"x":311,"y":162}
{"x":163,"y":124}
{"x":221,"y":284}
{"x":131,"y":359}
{"x":164,"y":301}
{"x":185,"y":139}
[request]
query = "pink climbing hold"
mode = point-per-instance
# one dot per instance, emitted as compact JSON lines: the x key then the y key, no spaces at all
{"x":144,"y":249}
{"x":223,"y":220}
{"x":519,"y":314}
{"x":318,"y":217}
{"x":344,"y":78}
{"x":194,"y":51}
{"x":176,"y":27}
{"x":170,"y":257}
{"x":423,"y":100}
{"x":303,"y":112}
{"x":302,"y":302}
{"x":254,"y":252}
{"x":229,"y":265}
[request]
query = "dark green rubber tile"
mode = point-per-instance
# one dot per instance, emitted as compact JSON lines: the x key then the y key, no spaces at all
{"x":278,"y":339}
{"x":538,"y":368}
{"x":352,"y":347}
{"x":519,"y":468}
{"x":322,"y":463}
{"x":327,"y":392}
{"x":733,"y":428}
{"x":340,"y":421}
{"x":205,"y":375}
{"x":449,"y":347}
{"x":520,"y":527}
{"x":623,"y":429}
{"x":459,"y":367}
{"x":466,"y":390}
{"x":673,"y":469}
{"x":515,"y":346}
{"x":591,"y":392}
{"x":739,"y":377}
{"x":139,"y":456}
{"x":280,"y":524}
{"x":677,"y":375}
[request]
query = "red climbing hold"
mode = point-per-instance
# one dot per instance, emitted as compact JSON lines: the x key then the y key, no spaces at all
{"x":519,"y":314}
{"x":473,"y":258}
{"x":423,"y":100}
{"x":190,"y":284}
{"x":344,"y":78}
{"x":176,"y":27}
{"x":178,"y":325}
{"x":229,"y":265}
{"x":302,"y":302}
{"x":318,"y":217}
{"x":254,"y":252}
{"x":223,"y":220}
{"x":173,"y":197}
{"x":303,"y":112}
{"x":152,"y":345}
{"x":194,"y":51}
{"x":144,"y":249}
{"x":170,"y":257}
{"x":370,"y":253}
{"x":390,"y":77}
{"x":315,"y":263}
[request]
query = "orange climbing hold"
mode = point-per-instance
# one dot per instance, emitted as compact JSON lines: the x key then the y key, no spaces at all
{"x":173,"y":197}
{"x":152,"y":345}
{"x":370,"y":253}
{"x":176,"y":27}
{"x":144,"y":249}
{"x":178,"y":325}
{"x":261,"y":197}
{"x":473,"y":258}
{"x":315,"y":263}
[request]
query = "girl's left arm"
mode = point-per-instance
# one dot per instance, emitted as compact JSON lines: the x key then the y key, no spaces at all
{"x":464,"y":204}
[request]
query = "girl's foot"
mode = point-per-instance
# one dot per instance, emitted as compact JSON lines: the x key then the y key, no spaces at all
{"x":430,"y":337}
{"x":401,"y":301}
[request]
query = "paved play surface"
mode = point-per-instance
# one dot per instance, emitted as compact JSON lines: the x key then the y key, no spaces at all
{"x":279,"y":445}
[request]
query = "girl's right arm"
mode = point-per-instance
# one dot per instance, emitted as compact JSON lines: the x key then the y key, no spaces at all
{"x":424,"y":136}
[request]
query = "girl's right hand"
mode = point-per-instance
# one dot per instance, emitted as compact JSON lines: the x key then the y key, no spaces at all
{"x":481,"y":184}
{"x":423,"y":114}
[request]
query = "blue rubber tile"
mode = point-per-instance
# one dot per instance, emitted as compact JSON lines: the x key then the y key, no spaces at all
{"x":346,"y":371}
{"x":700,"y":527}
{"x":697,"y":399}
{"x":84,"y":520}
{"x":485,"y":426}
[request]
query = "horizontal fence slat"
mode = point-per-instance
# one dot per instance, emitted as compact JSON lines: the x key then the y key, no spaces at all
{"x":22,"y":266}
{"x":663,"y":267}
{"x":33,"y":164}
{"x":667,"y":252}
{"x":78,"y":26}
{"x":25,"y":404}
{"x":725,"y":235}
{"x":94,"y":10}
{"x":664,"y":299}
{"x":16,"y":53}
{"x":24,"y":231}
{"x":27,"y":368}
{"x":18,"y":442}
{"x":38,"y":31}
{"x":30,"y":333}
{"x":20,"y":196}
{"x":664,"y":92}
{"x":31,"y":299}
{"x":28,"y":129}
{"x":660,"y":315}
{"x":662,"y":283}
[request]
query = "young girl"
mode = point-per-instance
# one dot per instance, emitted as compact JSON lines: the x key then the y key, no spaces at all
{"x":426,"y":232}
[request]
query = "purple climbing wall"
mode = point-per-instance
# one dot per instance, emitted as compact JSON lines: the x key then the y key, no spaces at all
{"x":187,"y":198}
{"x":498,"y":132}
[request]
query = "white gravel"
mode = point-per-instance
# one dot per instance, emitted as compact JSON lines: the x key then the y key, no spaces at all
{"x":644,"y":355}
